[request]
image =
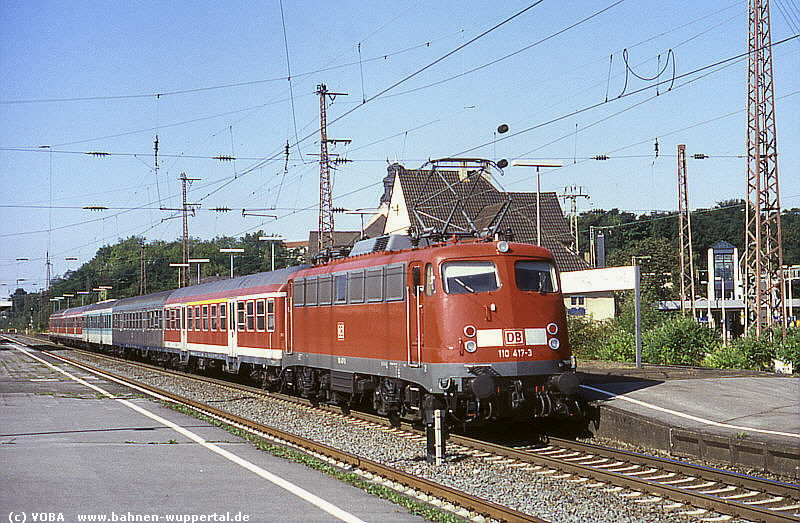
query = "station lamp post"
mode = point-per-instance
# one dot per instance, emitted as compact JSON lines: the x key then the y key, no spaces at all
{"x":68,"y":296}
{"x":272,"y":238}
{"x":180,"y":266}
{"x":102,"y":291}
{"x":82,"y":294}
{"x":232,"y":251}
{"x":199,"y":262}
{"x":58,"y":300}
{"x":538,"y":165}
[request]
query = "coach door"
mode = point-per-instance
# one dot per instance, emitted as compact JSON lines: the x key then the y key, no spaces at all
{"x":232,"y":340}
{"x":414,"y":313}
{"x":182,"y":312}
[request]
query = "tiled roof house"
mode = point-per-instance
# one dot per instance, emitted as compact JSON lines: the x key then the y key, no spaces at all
{"x":424,"y":199}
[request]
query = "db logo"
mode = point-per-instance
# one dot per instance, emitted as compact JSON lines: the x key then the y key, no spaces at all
{"x":514,"y":337}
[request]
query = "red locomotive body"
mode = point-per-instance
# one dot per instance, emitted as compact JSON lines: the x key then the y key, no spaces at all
{"x":477,"y":327}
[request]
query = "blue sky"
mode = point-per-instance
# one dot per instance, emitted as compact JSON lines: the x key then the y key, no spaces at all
{"x":210,"y":79}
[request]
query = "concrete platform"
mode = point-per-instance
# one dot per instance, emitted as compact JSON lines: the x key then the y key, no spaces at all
{"x":66,"y":450}
{"x":746,"y":418}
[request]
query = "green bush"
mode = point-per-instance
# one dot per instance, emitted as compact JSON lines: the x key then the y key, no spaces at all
{"x":759,"y":351}
{"x":732,"y":356}
{"x":678,"y":341}
{"x":789,"y":349}
{"x":618,"y":346}
{"x":586,"y":336}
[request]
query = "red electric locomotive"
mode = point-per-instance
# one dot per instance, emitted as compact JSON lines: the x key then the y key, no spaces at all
{"x":474,"y":327}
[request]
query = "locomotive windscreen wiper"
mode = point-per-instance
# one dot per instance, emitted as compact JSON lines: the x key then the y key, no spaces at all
{"x":470,"y":289}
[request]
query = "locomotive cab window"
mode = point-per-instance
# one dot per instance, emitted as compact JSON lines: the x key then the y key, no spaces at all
{"x":465,"y":277}
{"x":535,"y":276}
{"x":430,"y":281}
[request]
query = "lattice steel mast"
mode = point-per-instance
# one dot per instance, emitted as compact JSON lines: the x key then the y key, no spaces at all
{"x":763,"y":249}
{"x":685,"y":234}
{"x":325,"y":237}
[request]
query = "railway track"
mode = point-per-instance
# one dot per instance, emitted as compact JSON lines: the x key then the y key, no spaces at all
{"x":440,"y":496}
{"x":644,"y":478}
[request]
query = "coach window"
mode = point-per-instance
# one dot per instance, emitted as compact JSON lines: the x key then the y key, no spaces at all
{"x":223,"y":316}
{"x":430,"y":281}
{"x":340,"y":288}
{"x":250,"y":316}
{"x":240,"y":315}
{"x":395,"y":283}
{"x":355,"y":286}
{"x":190,"y":318}
{"x":197,"y":318}
{"x":205,"y":317}
{"x":214,"y":317}
{"x":260,"y":315}
{"x":271,"y":314}
{"x":464,"y":277}
{"x":374,"y":284}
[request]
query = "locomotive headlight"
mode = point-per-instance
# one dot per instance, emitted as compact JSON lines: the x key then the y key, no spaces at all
{"x":502,"y":246}
{"x":552,"y":329}
{"x":554,"y":344}
{"x":470,"y":346}
{"x":469,"y":331}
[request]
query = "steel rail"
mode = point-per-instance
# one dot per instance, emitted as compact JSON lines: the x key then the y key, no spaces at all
{"x":455,"y":497}
{"x":712,"y":474}
{"x":697,"y":499}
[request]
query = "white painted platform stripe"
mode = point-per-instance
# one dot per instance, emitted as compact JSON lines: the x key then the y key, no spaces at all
{"x":300,"y":492}
{"x":689,"y":416}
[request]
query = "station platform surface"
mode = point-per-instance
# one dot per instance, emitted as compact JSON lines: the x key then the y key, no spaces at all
{"x":747,"y":418}
{"x":67,"y":450}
